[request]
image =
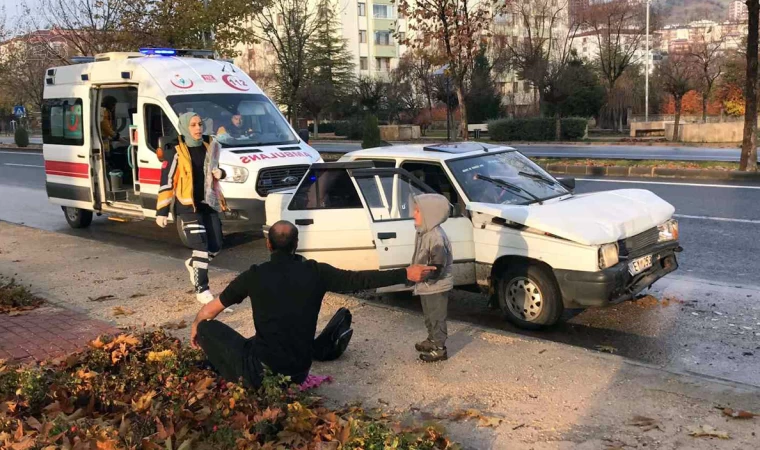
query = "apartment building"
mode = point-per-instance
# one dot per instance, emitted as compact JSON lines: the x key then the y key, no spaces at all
{"x":738,"y":12}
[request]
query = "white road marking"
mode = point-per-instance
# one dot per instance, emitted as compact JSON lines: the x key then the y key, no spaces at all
{"x":22,"y":153}
{"x":22,"y":165}
{"x":670,"y":183}
{"x":638,"y":156}
{"x":719,"y":219}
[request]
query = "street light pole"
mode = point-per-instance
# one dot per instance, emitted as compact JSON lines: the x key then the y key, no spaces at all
{"x":646,"y":72}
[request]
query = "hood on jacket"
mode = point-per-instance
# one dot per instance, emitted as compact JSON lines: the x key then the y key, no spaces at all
{"x":434,"y":209}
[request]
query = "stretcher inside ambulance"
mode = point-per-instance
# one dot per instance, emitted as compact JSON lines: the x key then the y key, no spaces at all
{"x":106,"y":119}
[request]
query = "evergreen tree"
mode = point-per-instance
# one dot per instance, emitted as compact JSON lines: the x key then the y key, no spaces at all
{"x":483,"y":100}
{"x":331,"y":68}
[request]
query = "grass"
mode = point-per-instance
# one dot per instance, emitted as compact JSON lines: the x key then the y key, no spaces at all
{"x":15,"y":297}
{"x":714,"y":165}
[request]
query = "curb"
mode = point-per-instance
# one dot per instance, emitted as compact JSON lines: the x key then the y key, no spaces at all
{"x":33,"y":148}
{"x":650,"y":172}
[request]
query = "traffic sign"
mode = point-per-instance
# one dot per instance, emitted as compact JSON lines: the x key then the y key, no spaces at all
{"x":19,"y":111}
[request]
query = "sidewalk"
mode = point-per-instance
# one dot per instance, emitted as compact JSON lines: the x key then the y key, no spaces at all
{"x":547,"y":395}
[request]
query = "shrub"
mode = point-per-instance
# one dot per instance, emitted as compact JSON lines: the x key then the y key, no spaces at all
{"x":21,"y":137}
{"x":352,"y":129}
{"x":535,"y":129}
{"x":324,"y":127}
{"x":371,"y":133}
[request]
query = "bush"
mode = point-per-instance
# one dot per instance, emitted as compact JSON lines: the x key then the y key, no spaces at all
{"x":371,"y":133}
{"x":352,"y":129}
{"x":21,"y":137}
{"x":324,"y":127}
{"x":535,"y":129}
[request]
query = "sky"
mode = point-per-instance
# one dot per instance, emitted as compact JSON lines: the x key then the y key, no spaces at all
{"x":13,"y":10}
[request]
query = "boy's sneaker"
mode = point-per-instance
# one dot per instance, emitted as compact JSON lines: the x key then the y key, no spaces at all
{"x":435,"y":355}
{"x":425,"y":346}
{"x":205,"y":297}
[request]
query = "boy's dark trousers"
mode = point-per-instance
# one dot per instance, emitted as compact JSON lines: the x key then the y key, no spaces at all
{"x":435,"y":310}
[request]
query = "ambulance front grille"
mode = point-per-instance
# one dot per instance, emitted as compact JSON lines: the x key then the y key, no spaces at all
{"x":273,"y":178}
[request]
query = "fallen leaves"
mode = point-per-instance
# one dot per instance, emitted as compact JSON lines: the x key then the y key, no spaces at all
{"x":174,"y":325}
{"x":738,"y":414}
{"x":483,"y":420}
{"x":645,"y":423}
{"x":121,"y":311}
{"x":707,"y":431}
{"x":606,"y":348}
{"x":102,"y":298}
{"x":15,"y":298}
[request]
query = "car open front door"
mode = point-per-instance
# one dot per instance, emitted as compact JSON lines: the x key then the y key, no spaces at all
{"x":333,"y":225}
{"x":387,"y":194}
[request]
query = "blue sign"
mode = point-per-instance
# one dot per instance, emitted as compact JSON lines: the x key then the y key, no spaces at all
{"x":19,"y":111}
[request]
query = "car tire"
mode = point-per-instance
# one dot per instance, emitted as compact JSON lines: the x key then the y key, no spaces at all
{"x":76,"y":217}
{"x":529,"y":296}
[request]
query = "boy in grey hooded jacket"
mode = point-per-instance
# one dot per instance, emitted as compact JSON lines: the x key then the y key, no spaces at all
{"x":432,"y":248}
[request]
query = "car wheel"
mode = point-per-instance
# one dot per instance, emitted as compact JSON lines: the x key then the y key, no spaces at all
{"x":77,"y":218}
{"x":529,"y":296}
{"x":181,"y":233}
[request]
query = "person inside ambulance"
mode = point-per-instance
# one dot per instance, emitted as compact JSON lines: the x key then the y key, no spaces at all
{"x":235,"y":128}
{"x":189,"y":179}
{"x":107,"y":124}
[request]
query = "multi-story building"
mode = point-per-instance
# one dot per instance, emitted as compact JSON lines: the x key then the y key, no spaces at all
{"x":738,"y":12}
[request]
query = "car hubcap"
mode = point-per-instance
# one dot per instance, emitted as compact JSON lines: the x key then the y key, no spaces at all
{"x":72,"y":214}
{"x":524,"y":299}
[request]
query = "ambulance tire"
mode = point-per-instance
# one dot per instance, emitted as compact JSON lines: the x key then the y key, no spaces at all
{"x":181,"y":233}
{"x":77,"y":218}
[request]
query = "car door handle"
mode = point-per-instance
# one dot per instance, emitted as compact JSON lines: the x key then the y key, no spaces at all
{"x":144,"y":161}
{"x":304,"y":221}
{"x":382,"y":236}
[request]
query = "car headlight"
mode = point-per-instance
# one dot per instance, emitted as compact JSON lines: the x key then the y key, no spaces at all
{"x":234,"y":174}
{"x":608,"y":255}
{"x":668,"y":231}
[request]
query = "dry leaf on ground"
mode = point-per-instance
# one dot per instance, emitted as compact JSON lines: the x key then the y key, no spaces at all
{"x":121,"y":311}
{"x":606,"y":348}
{"x":707,"y":431}
{"x":102,"y":298}
{"x":174,"y":325}
{"x":483,"y":420}
{"x":645,"y":423}
{"x":738,"y":414}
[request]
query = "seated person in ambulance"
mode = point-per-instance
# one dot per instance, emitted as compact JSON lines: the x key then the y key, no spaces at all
{"x":235,"y":128}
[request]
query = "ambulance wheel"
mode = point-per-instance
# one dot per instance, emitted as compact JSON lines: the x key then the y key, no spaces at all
{"x":182,"y":236}
{"x":77,"y":218}
{"x":529,"y":296}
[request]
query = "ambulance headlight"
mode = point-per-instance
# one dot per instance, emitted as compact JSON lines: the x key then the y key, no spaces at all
{"x":234,"y":174}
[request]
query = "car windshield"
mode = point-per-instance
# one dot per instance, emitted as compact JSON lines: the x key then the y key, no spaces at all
{"x":505,"y":178}
{"x":237,"y":120}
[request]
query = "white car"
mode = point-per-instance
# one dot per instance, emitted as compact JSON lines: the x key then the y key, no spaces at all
{"x":516,"y":231}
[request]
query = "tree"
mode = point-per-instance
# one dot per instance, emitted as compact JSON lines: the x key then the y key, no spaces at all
{"x":708,"y":58}
{"x":483,"y":99}
{"x":748,"y":159}
{"x":402,"y":102}
{"x":331,"y":65}
{"x":457,"y":25}
{"x":370,"y":93}
{"x":289,"y":27}
{"x":578,"y":93}
{"x":677,"y":76}
{"x":618,"y":28}
{"x":371,"y":132}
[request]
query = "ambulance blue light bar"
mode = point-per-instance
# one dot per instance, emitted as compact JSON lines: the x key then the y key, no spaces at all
{"x":158,"y":51}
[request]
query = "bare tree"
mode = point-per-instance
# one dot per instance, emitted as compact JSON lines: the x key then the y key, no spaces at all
{"x":288,"y":26}
{"x":619,"y":27}
{"x":708,"y":57}
{"x":543,"y":51}
{"x":677,"y":75}
{"x":748,"y":159}
{"x":457,"y":25}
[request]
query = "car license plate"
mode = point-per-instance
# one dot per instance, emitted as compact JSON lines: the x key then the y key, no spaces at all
{"x":639,"y":265}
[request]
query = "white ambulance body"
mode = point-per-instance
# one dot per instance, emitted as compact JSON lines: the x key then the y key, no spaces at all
{"x":147,"y":92}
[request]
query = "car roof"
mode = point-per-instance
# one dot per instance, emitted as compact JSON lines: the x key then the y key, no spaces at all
{"x":431,"y":152}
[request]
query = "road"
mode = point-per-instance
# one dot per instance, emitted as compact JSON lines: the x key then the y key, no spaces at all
{"x":711,"y":326}
{"x":671,"y":153}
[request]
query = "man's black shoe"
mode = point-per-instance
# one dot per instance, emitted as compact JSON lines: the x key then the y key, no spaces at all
{"x":435,"y":355}
{"x":425,"y":346}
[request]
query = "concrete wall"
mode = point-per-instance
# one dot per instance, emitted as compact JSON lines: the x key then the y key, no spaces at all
{"x":399,"y":132}
{"x":707,"y":132}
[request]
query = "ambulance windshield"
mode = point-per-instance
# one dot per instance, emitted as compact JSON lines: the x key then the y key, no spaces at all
{"x":237,"y":120}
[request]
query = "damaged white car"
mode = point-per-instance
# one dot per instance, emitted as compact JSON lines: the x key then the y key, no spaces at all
{"x":517,"y":232}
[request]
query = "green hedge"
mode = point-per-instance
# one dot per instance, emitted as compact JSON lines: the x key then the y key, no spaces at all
{"x":535,"y":129}
{"x":351,"y":129}
{"x":324,"y":127}
{"x":371,"y":133}
{"x":21,"y":137}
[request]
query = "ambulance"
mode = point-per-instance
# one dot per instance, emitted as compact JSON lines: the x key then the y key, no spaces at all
{"x":105,"y":120}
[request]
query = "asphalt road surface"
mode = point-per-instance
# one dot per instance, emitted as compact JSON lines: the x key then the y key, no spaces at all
{"x":642,"y":152}
{"x":711,"y":325}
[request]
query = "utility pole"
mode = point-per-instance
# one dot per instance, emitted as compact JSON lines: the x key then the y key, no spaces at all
{"x":646,"y":71}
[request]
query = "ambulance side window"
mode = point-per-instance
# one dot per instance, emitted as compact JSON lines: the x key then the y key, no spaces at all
{"x":62,"y":121}
{"x":157,"y":124}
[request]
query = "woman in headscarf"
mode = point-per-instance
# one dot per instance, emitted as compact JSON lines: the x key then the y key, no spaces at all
{"x":189,"y":179}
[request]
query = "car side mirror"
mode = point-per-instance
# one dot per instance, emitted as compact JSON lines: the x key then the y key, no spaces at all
{"x":567,"y":182}
{"x":303,"y":133}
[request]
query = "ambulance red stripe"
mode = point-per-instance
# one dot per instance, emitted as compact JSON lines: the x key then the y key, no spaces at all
{"x":67,"y":169}
{"x":150,"y":176}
